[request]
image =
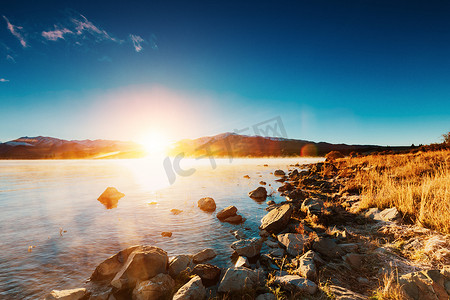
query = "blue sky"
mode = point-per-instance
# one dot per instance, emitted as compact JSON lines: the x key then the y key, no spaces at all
{"x":358,"y":72}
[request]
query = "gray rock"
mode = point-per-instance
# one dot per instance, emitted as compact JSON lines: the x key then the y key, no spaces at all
{"x":327,"y":247}
{"x":142,"y":264}
{"x":260,"y":193}
{"x":237,"y":280}
{"x":204,"y":255}
{"x":209,"y":274}
{"x":373,"y":213}
{"x":106,"y":270}
{"x":353,"y":260}
{"x":193,"y":290}
{"x":341,"y":293}
{"x":278,"y":252}
{"x":247,"y":248}
{"x":306,"y":265}
{"x":390,"y":214}
{"x":179,"y":264}
{"x":312,"y":206}
{"x":293,"y":242}
{"x":226,"y":213}
{"x":73,"y":294}
{"x":295,"y":283}
{"x":207,"y":204}
{"x":266,"y":296}
{"x":277,"y":219}
{"x":158,"y":288}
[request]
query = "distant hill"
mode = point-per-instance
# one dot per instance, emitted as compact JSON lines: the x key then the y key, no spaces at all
{"x":232,"y":144}
{"x":41,"y":147}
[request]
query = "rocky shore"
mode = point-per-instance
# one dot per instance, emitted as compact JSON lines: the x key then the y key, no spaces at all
{"x":316,"y":244}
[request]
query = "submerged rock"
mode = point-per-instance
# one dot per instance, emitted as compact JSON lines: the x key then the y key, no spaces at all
{"x":204,"y":255}
{"x":166,"y":234}
{"x":277,"y":219}
{"x":193,"y":290}
{"x":207,"y":204}
{"x":279,"y":173}
{"x":227,"y":212}
{"x":73,"y":294}
{"x":260,"y":193}
{"x":159,"y":287}
{"x":110,"y":197}
{"x":176,"y":211}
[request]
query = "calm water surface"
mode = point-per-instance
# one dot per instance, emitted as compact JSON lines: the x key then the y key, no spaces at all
{"x":41,"y":199}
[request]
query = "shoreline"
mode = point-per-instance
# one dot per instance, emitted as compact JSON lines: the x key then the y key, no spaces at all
{"x":317,"y":244}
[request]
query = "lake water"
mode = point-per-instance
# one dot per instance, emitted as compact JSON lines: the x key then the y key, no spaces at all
{"x":52,"y":207}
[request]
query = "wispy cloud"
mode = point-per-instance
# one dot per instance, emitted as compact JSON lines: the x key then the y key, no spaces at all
{"x":4,"y":80}
{"x":137,"y":42}
{"x":105,"y":58}
{"x":53,"y":35}
{"x":10,"y":58}
{"x":84,"y":25}
{"x":16,"y":31}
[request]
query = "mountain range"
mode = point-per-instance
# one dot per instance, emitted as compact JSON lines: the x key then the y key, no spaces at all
{"x":222,"y":145}
{"x":41,"y":147}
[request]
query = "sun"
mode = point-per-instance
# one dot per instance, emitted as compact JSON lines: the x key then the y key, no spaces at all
{"x":155,"y":142}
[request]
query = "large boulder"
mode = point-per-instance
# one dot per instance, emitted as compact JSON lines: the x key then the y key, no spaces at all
{"x":106,"y":270}
{"x":237,"y":280}
{"x":158,"y":288}
{"x":204,"y":255}
{"x":296,"y":284}
{"x":277,"y":219}
{"x":226,"y":213}
{"x":143,"y":264}
{"x":110,"y":197}
{"x":73,"y":294}
{"x":179,"y":264}
{"x":293,"y":242}
{"x":209,"y":274}
{"x":328,"y":247}
{"x":193,"y":290}
{"x":207,"y":204}
{"x":260,"y":194}
{"x":247,"y":248}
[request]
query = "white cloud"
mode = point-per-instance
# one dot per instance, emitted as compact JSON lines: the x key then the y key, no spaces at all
{"x":56,"y":34}
{"x":137,"y":42}
{"x":15,"y":30}
{"x":4,"y":80}
{"x":84,"y":25}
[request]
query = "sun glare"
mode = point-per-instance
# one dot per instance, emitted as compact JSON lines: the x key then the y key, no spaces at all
{"x":155,"y":143}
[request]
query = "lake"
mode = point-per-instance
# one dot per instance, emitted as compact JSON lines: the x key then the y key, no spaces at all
{"x":54,"y":232}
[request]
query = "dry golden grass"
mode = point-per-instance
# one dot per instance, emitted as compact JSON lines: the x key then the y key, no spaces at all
{"x":417,"y":184}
